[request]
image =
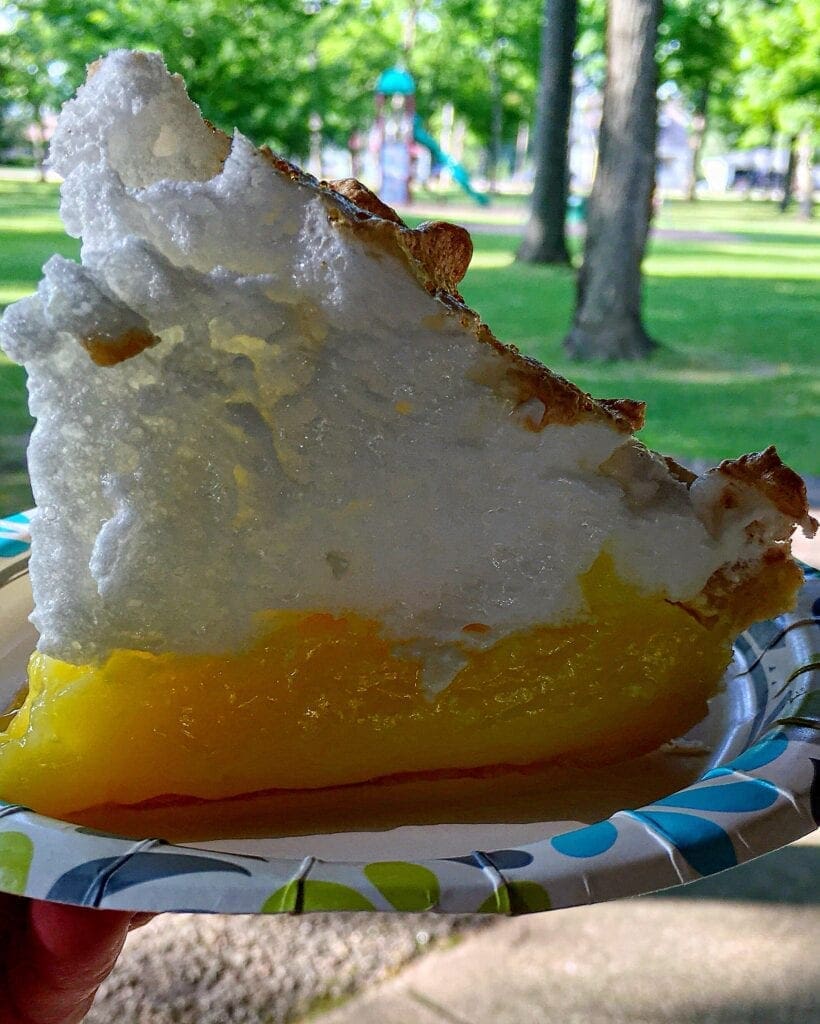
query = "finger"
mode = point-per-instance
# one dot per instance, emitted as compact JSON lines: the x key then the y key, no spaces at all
{"x":76,"y":1014}
{"x":12,"y":909}
{"x":62,"y":957}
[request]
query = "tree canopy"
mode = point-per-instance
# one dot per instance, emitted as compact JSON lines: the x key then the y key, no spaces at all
{"x":265,"y":67}
{"x":777,"y":63}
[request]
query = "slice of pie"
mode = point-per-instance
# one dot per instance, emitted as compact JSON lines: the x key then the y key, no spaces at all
{"x":304,"y":522}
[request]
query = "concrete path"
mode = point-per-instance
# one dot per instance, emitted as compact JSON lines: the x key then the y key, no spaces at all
{"x":215,"y":969}
{"x":739,"y":948}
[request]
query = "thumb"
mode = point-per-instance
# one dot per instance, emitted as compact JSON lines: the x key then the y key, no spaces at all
{"x":62,"y":957}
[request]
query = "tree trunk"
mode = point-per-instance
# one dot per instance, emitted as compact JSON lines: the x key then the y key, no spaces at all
{"x":496,"y":124}
{"x":607,"y":323}
{"x":42,"y":153}
{"x":522,"y":145}
{"x":788,"y":181}
{"x":804,"y":175}
{"x":545,"y":234}
{"x":39,"y":144}
{"x":696,"y":142}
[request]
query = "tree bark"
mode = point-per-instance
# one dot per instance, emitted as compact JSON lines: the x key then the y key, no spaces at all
{"x":545,"y":234}
{"x":40,"y":147}
{"x":696,"y":142}
{"x":496,"y":123}
{"x":788,"y":181}
{"x":804,"y":175}
{"x":607,"y":323}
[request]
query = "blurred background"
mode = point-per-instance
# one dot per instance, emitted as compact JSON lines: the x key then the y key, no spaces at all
{"x":454,"y":109}
{"x":666,"y":150}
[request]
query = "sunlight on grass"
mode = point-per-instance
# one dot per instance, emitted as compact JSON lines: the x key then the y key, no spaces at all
{"x":738,"y":367}
{"x":745,"y":259}
{"x":733,"y":215}
{"x":11,"y":293}
{"x":751,"y":219}
{"x":487,"y":260}
{"x":31,"y":224}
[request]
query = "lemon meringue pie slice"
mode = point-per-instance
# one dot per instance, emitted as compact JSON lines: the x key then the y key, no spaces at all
{"x":304,"y":522}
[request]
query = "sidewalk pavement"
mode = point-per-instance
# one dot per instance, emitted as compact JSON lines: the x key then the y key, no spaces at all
{"x":737,"y":948}
{"x":264,"y":969}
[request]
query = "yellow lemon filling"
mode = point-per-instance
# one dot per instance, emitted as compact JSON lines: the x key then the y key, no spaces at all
{"x":322,"y":700}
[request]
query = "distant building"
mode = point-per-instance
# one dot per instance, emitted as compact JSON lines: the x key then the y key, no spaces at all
{"x":674,"y":152}
{"x":748,"y":170}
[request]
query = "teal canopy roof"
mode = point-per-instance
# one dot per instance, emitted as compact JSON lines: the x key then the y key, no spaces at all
{"x":396,"y":80}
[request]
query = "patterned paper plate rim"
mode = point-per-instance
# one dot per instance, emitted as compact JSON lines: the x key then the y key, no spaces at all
{"x":762,"y":799}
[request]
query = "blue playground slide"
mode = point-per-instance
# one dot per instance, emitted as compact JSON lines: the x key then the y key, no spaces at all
{"x":458,"y":172}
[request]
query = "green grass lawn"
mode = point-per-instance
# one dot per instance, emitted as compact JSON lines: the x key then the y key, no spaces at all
{"x":750,"y":219}
{"x":738,"y":324}
{"x":737,"y":319}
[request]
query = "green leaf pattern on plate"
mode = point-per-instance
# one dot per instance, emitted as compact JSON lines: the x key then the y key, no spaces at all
{"x":16,"y":855}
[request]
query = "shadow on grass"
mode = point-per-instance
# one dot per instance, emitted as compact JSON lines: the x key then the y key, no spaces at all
{"x":760,"y":255}
{"x":737,"y":370}
{"x":15,"y":426}
{"x":777,"y":238}
{"x":735,"y":316}
{"x":29,"y":237}
{"x":15,"y":491}
{"x":24,"y":196}
{"x":22,"y":265}
{"x":14,"y":416}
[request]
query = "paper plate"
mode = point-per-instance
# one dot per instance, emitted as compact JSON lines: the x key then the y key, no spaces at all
{"x":760,"y":790}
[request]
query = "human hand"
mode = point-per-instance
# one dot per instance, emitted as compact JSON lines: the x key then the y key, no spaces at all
{"x":53,"y":958}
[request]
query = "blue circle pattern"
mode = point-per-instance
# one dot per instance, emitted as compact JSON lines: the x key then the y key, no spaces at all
{"x":750,"y":795}
{"x":12,"y":543}
{"x":704,"y":845}
{"x":90,"y":882}
{"x":591,"y":841}
{"x":503,"y":860}
{"x":762,"y":753}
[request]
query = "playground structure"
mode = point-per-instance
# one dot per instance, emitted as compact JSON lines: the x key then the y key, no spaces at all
{"x":397,"y":134}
